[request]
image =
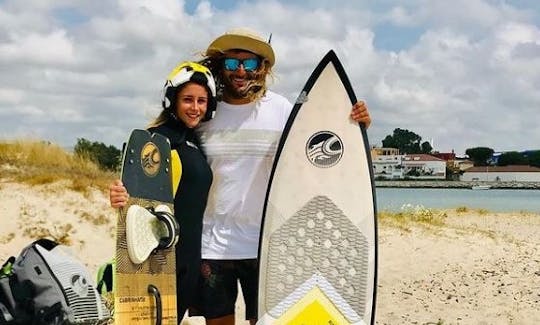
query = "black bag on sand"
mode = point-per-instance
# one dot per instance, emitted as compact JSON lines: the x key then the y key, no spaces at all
{"x":45,"y":285}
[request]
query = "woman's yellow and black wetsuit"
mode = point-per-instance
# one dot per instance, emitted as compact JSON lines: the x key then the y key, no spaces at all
{"x":189,"y":204}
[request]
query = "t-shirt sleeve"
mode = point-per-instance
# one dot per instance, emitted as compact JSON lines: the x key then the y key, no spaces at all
{"x":286,"y":109}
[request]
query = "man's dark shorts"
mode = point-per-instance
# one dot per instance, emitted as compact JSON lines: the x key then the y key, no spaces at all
{"x":220,"y":287}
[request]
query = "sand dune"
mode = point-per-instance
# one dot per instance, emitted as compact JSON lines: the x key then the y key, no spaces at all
{"x":475,"y":268}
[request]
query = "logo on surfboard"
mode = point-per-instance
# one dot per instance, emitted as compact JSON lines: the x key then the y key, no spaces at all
{"x":324,"y":149}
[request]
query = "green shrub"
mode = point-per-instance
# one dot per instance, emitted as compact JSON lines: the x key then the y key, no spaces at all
{"x":107,"y":157}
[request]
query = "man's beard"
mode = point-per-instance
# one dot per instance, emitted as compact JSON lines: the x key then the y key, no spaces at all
{"x":251,"y":86}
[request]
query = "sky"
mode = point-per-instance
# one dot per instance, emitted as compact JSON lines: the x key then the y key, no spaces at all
{"x":460,"y":74}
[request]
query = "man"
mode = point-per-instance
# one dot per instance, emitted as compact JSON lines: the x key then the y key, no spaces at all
{"x":240,"y":144}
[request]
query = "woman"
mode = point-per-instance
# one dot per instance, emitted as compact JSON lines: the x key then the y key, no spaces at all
{"x":189,"y":97}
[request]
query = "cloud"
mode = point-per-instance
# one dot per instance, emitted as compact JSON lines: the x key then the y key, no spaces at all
{"x":53,"y":48}
{"x":460,"y":89}
{"x":459,"y":73}
{"x":11,"y":96}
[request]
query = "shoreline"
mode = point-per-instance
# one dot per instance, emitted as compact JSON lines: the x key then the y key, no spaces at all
{"x":457,"y":184}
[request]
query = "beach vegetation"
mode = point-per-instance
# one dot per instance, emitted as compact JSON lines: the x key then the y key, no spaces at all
{"x":106,"y":157}
{"x":412,"y":215}
{"x":60,"y":233}
{"x":482,"y":212}
{"x":40,"y":162}
{"x":96,"y":220}
{"x":4,"y":239}
{"x":462,"y":209}
{"x":35,"y":226}
{"x":466,"y":209}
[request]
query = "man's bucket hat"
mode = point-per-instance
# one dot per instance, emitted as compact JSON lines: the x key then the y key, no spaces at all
{"x":242,"y":39}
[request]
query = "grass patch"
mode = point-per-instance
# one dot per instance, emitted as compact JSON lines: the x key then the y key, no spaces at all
{"x":462,"y":209}
{"x":482,"y":212}
{"x":35,"y":227}
{"x":39,"y":163}
{"x":7,"y":238}
{"x":95,"y":220}
{"x":58,"y":233}
{"x":412,"y":216}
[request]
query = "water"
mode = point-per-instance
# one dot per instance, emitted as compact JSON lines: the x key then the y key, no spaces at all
{"x":496,"y":200}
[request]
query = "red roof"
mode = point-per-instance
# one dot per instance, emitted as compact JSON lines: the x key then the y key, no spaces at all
{"x":445,"y":155}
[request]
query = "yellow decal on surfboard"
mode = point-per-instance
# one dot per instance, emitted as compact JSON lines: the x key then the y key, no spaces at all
{"x":313,"y":309}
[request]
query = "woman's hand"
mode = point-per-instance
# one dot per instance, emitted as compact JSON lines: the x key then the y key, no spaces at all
{"x":118,"y":195}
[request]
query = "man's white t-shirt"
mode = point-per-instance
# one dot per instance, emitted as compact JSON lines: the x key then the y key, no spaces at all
{"x":240,"y":144}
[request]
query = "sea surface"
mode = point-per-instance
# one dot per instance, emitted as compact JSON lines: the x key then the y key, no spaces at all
{"x":496,"y":200}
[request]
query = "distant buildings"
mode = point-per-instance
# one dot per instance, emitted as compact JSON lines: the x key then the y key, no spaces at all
{"x":422,"y":166}
{"x":389,"y":164}
{"x":516,"y":173}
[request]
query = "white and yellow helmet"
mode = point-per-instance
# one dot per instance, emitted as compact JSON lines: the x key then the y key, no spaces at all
{"x":186,"y":72}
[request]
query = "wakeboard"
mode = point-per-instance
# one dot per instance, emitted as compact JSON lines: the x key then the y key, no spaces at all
{"x":145,"y":282}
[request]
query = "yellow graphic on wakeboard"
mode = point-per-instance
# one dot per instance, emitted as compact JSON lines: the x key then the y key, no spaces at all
{"x":150,"y":159}
{"x":313,"y":309}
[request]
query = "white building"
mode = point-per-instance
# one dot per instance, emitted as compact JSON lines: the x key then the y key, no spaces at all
{"x":389,"y":164}
{"x":422,"y":166}
{"x":516,"y":173}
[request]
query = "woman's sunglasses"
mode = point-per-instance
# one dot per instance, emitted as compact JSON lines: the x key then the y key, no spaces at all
{"x":232,"y":64}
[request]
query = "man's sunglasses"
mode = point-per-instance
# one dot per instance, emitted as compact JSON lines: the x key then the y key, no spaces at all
{"x":232,"y":64}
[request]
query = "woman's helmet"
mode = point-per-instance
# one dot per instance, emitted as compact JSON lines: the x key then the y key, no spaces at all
{"x":186,"y":72}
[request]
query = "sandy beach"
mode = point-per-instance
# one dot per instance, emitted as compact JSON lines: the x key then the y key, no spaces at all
{"x":474,"y":267}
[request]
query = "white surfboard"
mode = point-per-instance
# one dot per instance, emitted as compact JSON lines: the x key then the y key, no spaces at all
{"x":318,"y":247}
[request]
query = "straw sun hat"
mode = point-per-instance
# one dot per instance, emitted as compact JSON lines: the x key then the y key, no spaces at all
{"x":242,"y":39}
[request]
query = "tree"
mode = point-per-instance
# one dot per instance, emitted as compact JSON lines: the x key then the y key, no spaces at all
{"x":480,"y":155}
{"x":407,"y":142}
{"x":107,"y":157}
{"x":426,"y":147}
{"x":512,"y":158}
{"x":534,"y":158}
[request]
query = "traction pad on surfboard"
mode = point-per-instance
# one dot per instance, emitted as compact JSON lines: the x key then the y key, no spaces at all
{"x":148,"y":229}
{"x":318,"y":246}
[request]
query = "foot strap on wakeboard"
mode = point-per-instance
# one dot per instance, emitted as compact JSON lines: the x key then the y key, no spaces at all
{"x":149,"y":229}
